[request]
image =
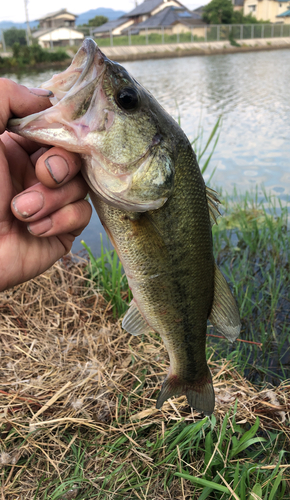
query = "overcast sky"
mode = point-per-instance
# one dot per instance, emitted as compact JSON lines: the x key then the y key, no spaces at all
{"x":13,"y":10}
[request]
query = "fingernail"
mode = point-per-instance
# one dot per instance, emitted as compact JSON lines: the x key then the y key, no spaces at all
{"x":41,"y":92}
{"x":28,"y":204}
{"x":40,"y":227}
{"x":57,"y":167}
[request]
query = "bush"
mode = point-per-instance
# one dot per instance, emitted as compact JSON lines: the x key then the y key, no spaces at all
{"x":30,"y":55}
{"x":13,"y":35}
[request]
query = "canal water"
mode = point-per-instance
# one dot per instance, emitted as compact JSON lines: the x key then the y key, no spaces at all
{"x":251,"y":91}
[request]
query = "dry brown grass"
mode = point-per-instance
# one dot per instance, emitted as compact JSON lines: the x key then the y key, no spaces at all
{"x":68,"y":372}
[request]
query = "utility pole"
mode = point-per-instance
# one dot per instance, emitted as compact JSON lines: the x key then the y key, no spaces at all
{"x":3,"y":41}
{"x":27,"y":22}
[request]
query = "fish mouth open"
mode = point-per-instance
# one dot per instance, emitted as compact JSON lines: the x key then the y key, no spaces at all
{"x":87,"y":66}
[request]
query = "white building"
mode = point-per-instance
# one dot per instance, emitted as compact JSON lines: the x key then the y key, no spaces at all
{"x":58,"y":29}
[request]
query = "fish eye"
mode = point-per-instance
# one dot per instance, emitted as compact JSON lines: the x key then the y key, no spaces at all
{"x":128,"y":98}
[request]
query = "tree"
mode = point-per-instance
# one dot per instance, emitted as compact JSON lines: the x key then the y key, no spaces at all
{"x":95,"y":22}
{"x":14,"y":35}
{"x":239,"y":18}
{"x":218,"y":12}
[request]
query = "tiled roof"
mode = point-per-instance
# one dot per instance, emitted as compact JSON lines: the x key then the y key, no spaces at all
{"x":57,"y":13}
{"x":169,"y":16}
{"x":110,"y":25}
{"x":144,"y":8}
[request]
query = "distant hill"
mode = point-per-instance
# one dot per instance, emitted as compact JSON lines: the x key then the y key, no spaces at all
{"x":101,"y":11}
{"x":5,"y":25}
{"x":83,"y":18}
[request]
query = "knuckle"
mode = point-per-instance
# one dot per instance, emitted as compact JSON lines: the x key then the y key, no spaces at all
{"x":83,"y":212}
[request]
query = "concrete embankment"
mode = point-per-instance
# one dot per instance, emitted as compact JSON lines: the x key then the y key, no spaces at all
{"x":137,"y":52}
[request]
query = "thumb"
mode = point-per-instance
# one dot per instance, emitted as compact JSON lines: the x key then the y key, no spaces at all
{"x":17,"y":100}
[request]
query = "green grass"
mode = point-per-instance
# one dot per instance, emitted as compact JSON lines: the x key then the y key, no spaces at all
{"x":153,"y":38}
{"x":202,"y":460}
{"x":252,"y":245}
{"x":107,"y":272}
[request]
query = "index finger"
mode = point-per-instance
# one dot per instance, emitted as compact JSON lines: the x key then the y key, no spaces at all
{"x":17,"y":100}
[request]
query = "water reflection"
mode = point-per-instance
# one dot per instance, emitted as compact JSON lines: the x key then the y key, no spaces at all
{"x":250,"y":90}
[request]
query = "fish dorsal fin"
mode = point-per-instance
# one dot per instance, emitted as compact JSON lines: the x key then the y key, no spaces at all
{"x":224,"y":314}
{"x":134,"y":322}
{"x":213,"y":205}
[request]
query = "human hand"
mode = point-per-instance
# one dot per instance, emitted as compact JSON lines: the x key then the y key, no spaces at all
{"x":42,"y":206}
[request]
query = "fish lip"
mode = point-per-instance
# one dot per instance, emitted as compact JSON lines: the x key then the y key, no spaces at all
{"x":91,"y":49}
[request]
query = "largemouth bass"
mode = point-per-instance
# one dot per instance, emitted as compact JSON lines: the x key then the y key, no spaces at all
{"x":150,"y":196}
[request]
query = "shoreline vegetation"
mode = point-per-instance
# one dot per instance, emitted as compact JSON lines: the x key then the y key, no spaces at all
{"x":24,"y":56}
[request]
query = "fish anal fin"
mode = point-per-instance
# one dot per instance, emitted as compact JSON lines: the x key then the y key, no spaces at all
{"x":224,"y":314}
{"x":134,"y":322}
{"x":213,"y":205}
{"x":200,"y":393}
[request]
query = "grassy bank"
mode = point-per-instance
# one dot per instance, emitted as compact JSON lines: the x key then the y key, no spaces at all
{"x":78,"y":417}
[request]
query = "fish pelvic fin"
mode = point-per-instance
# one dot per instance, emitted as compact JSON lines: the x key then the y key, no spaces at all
{"x":200,"y":393}
{"x":224,"y":314}
{"x":134,"y":322}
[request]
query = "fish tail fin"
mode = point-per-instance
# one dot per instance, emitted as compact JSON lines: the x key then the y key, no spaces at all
{"x":200,"y":393}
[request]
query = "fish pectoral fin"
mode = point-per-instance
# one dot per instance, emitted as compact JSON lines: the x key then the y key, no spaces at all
{"x":134,"y":322}
{"x":224,"y":314}
{"x":213,"y":205}
{"x":200,"y":393}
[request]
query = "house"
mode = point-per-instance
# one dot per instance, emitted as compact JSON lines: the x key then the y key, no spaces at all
{"x":171,"y":20}
{"x":113,"y":27}
{"x":58,"y":29}
{"x":57,"y":19}
{"x":142,"y":13}
{"x":268,"y":10}
{"x":150,"y":8}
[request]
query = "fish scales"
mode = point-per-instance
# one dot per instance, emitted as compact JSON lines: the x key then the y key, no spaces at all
{"x":158,"y":253}
{"x":149,"y":193}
